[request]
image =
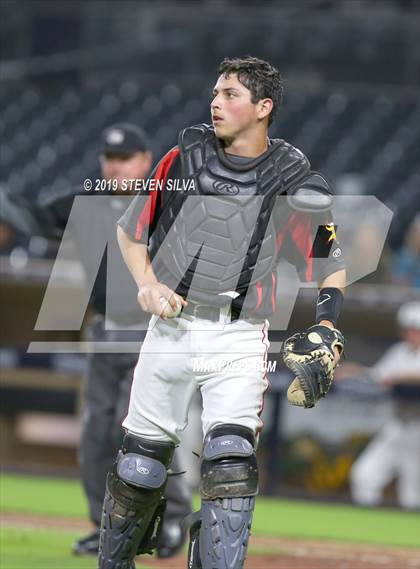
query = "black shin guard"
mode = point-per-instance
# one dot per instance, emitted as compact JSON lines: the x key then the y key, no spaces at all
{"x":225,"y":530}
{"x":229,"y":484}
{"x":134,"y":504}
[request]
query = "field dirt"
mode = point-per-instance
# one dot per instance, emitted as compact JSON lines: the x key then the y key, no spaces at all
{"x":275,"y":553}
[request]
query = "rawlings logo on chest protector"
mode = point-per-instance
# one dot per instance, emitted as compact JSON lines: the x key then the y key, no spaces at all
{"x":224,"y":187}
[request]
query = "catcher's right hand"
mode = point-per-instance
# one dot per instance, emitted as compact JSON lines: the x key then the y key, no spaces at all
{"x":159,"y":299}
{"x":310,"y":355}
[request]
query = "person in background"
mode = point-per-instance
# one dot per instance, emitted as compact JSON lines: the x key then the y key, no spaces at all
{"x":394,"y":452}
{"x":124,"y":155}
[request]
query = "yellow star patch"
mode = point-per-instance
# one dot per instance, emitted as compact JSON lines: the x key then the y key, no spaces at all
{"x":331,"y":229}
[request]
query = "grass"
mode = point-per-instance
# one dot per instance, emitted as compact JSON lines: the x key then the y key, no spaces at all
{"x":31,"y":494}
{"x":337,"y":522}
{"x":41,"y":549}
{"x":46,"y":549}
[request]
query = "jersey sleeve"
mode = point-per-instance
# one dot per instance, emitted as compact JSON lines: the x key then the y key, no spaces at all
{"x":309,"y":242}
{"x":143,"y":212}
{"x":306,"y":236}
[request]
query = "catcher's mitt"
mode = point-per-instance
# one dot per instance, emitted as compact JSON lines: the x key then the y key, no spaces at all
{"x":310,"y":355}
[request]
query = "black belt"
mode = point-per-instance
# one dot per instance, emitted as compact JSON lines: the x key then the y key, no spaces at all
{"x":206,"y":312}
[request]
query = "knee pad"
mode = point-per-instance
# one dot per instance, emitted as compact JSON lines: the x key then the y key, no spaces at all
{"x":229,"y":464}
{"x":140,"y":468}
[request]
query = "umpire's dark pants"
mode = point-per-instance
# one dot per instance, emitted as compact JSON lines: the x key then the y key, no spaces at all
{"x":107,"y":392}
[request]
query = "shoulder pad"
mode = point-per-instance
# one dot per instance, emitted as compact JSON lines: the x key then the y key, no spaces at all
{"x":294,"y":165}
{"x":293,"y":151}
{"x":313,"y":193}
{"x":192,"y":134}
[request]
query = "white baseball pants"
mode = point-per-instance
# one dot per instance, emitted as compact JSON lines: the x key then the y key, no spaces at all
{"x":225,"y":360}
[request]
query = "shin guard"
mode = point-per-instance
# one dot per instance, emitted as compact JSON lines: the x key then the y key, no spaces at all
{"x":225,"y":530}
{"x":229,"y":484}
{"x":134,"y":503}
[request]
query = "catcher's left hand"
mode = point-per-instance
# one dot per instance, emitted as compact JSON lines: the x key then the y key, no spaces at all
{"x":310,"y":355}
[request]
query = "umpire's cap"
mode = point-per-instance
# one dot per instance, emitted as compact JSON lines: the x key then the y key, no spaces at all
{"x":123,"y":138}
{"x":408,"y":315}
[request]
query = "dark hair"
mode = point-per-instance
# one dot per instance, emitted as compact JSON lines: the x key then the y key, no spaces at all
{"x":257,"y":75}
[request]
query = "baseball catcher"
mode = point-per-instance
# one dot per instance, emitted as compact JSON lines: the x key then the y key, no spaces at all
{"x":213,"y":259}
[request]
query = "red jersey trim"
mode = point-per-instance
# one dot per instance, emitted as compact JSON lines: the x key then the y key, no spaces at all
{"x":265,"y":379}
{"x":258,"y":286}
{"x":300,"y":229}
{"x":273,"y":291}
{"x":148,"y":212}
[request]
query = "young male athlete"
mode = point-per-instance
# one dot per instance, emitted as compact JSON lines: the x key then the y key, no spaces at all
{"x":204,"y":259}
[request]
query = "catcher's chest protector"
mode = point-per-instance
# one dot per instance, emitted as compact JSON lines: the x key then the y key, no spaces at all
{"x":224,"y":225}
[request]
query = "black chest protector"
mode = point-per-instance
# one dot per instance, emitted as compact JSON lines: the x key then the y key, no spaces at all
{"x":222,"y":238}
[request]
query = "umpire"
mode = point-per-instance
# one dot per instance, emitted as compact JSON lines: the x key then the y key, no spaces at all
{"x":124,"y":155}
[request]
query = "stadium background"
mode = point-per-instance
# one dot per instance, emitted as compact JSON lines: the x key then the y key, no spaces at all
{"x":68,"y":69}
